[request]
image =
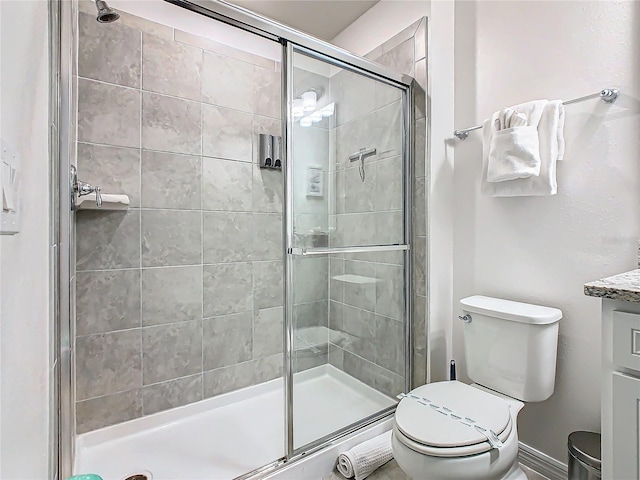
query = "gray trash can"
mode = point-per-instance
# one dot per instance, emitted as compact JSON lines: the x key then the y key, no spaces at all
{"x":584,"y":456}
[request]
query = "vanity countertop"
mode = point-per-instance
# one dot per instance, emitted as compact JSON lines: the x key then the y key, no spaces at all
{"x":624,"y":286}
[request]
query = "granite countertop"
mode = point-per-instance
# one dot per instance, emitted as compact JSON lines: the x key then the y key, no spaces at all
{"x":624,"y":286}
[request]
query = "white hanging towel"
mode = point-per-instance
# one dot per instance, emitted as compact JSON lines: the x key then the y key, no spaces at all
{"x":560,"y":129}
{"x":514,"y":151}
{"x":363,"y":459}
{"x":551,"y":143}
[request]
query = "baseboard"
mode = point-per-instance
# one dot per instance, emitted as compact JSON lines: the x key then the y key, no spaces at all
{"x":542,"y":463}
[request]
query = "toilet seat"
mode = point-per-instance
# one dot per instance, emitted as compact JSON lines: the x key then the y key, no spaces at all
{"x":475,"y":449}
{"x":423,"y":427}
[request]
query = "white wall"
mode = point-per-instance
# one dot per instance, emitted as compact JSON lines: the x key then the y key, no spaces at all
{"x":542,"y":250}
{"x":440,"y":161}
{"x":378,"y":24}
{"x":381,"y":22}
{"x":24,"y":260}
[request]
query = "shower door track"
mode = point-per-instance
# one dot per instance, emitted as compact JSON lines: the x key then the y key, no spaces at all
{"x":265,"y":27}
{"x":317,"y":446}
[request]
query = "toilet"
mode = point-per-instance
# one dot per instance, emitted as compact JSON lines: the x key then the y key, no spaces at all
{"x":454,"y":431}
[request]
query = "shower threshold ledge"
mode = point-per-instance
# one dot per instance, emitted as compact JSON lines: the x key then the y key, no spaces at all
{"x":231,"y":434}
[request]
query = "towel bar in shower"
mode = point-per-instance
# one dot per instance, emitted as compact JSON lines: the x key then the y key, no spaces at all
{"x":608,"y":95}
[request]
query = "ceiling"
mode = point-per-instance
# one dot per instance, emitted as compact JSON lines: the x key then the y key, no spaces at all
{"x":321,"y":18}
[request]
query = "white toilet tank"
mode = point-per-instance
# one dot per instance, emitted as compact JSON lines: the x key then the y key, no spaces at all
{"x":511,"y":347}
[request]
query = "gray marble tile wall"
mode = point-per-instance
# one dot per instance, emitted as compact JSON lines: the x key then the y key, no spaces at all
{"x":407,"y":52}
{"x":365,"y":319}
{"x":180,"y":297}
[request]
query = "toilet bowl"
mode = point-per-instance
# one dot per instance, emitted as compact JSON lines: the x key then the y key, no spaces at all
{"x":430,"y":444}
{"x":454,"y":431}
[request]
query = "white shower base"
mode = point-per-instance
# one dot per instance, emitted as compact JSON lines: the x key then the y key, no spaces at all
{"x":229,"y":435}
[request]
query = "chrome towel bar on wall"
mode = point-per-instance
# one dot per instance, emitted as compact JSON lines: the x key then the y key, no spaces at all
{"x":608,"y":95}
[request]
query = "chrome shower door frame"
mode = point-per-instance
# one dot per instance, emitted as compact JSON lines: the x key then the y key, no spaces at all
{"x":63,"y":42}
{"x":265,"y":27}
{"x":291,"y":251}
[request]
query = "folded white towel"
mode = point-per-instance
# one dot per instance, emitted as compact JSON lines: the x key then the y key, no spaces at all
{"x":514,"y":151}
{"x":550,"y":123}
{"x":365,"y":458}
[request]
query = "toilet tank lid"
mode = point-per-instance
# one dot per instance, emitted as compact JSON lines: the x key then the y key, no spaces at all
{"x":510,"y":310}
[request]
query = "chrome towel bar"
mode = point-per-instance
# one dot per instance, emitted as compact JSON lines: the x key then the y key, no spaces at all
{"x":608,"y":95}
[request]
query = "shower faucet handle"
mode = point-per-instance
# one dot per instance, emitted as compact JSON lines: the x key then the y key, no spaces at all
{"x":83,"y":189}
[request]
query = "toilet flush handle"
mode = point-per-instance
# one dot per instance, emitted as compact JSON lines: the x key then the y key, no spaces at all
{"x":466,"y":318}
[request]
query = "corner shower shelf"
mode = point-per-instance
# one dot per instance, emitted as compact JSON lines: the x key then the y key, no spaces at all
{"x":311,"y":340}
{"x":358,"y":279}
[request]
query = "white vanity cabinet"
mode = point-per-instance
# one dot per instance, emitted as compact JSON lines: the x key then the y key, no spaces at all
{"x":620,"y":379}
{"x":625,"y":426}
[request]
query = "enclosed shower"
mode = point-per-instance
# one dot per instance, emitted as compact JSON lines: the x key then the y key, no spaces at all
{"x":252,"y":286}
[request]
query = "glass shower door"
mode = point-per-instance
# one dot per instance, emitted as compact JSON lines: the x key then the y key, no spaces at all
{"x":347,"y":246}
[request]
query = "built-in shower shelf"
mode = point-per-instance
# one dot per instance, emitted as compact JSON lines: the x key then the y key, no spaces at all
{"x":313,"y":340}
{"x":110,"y":202}
{"x":359,"y":279}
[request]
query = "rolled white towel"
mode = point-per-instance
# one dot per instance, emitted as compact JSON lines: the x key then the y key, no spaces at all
{"x":363,"y":459}
{"x":509,"y":118}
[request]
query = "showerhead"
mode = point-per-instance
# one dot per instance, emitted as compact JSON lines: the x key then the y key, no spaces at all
{"x":106,"y":14}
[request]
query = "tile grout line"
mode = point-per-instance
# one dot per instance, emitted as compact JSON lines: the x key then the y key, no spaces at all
{"x":211,"y":52}
{"x":166,"y":152}
{"x":143,"y":91}
{"x":185,"y":210}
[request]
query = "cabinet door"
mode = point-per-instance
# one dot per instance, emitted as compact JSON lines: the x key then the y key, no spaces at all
{"x":626,"y":426}
{"x":626,"y":339}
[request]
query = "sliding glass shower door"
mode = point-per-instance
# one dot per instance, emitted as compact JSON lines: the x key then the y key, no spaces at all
{"x":209,"y":299}
{"x":347,"y":247}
